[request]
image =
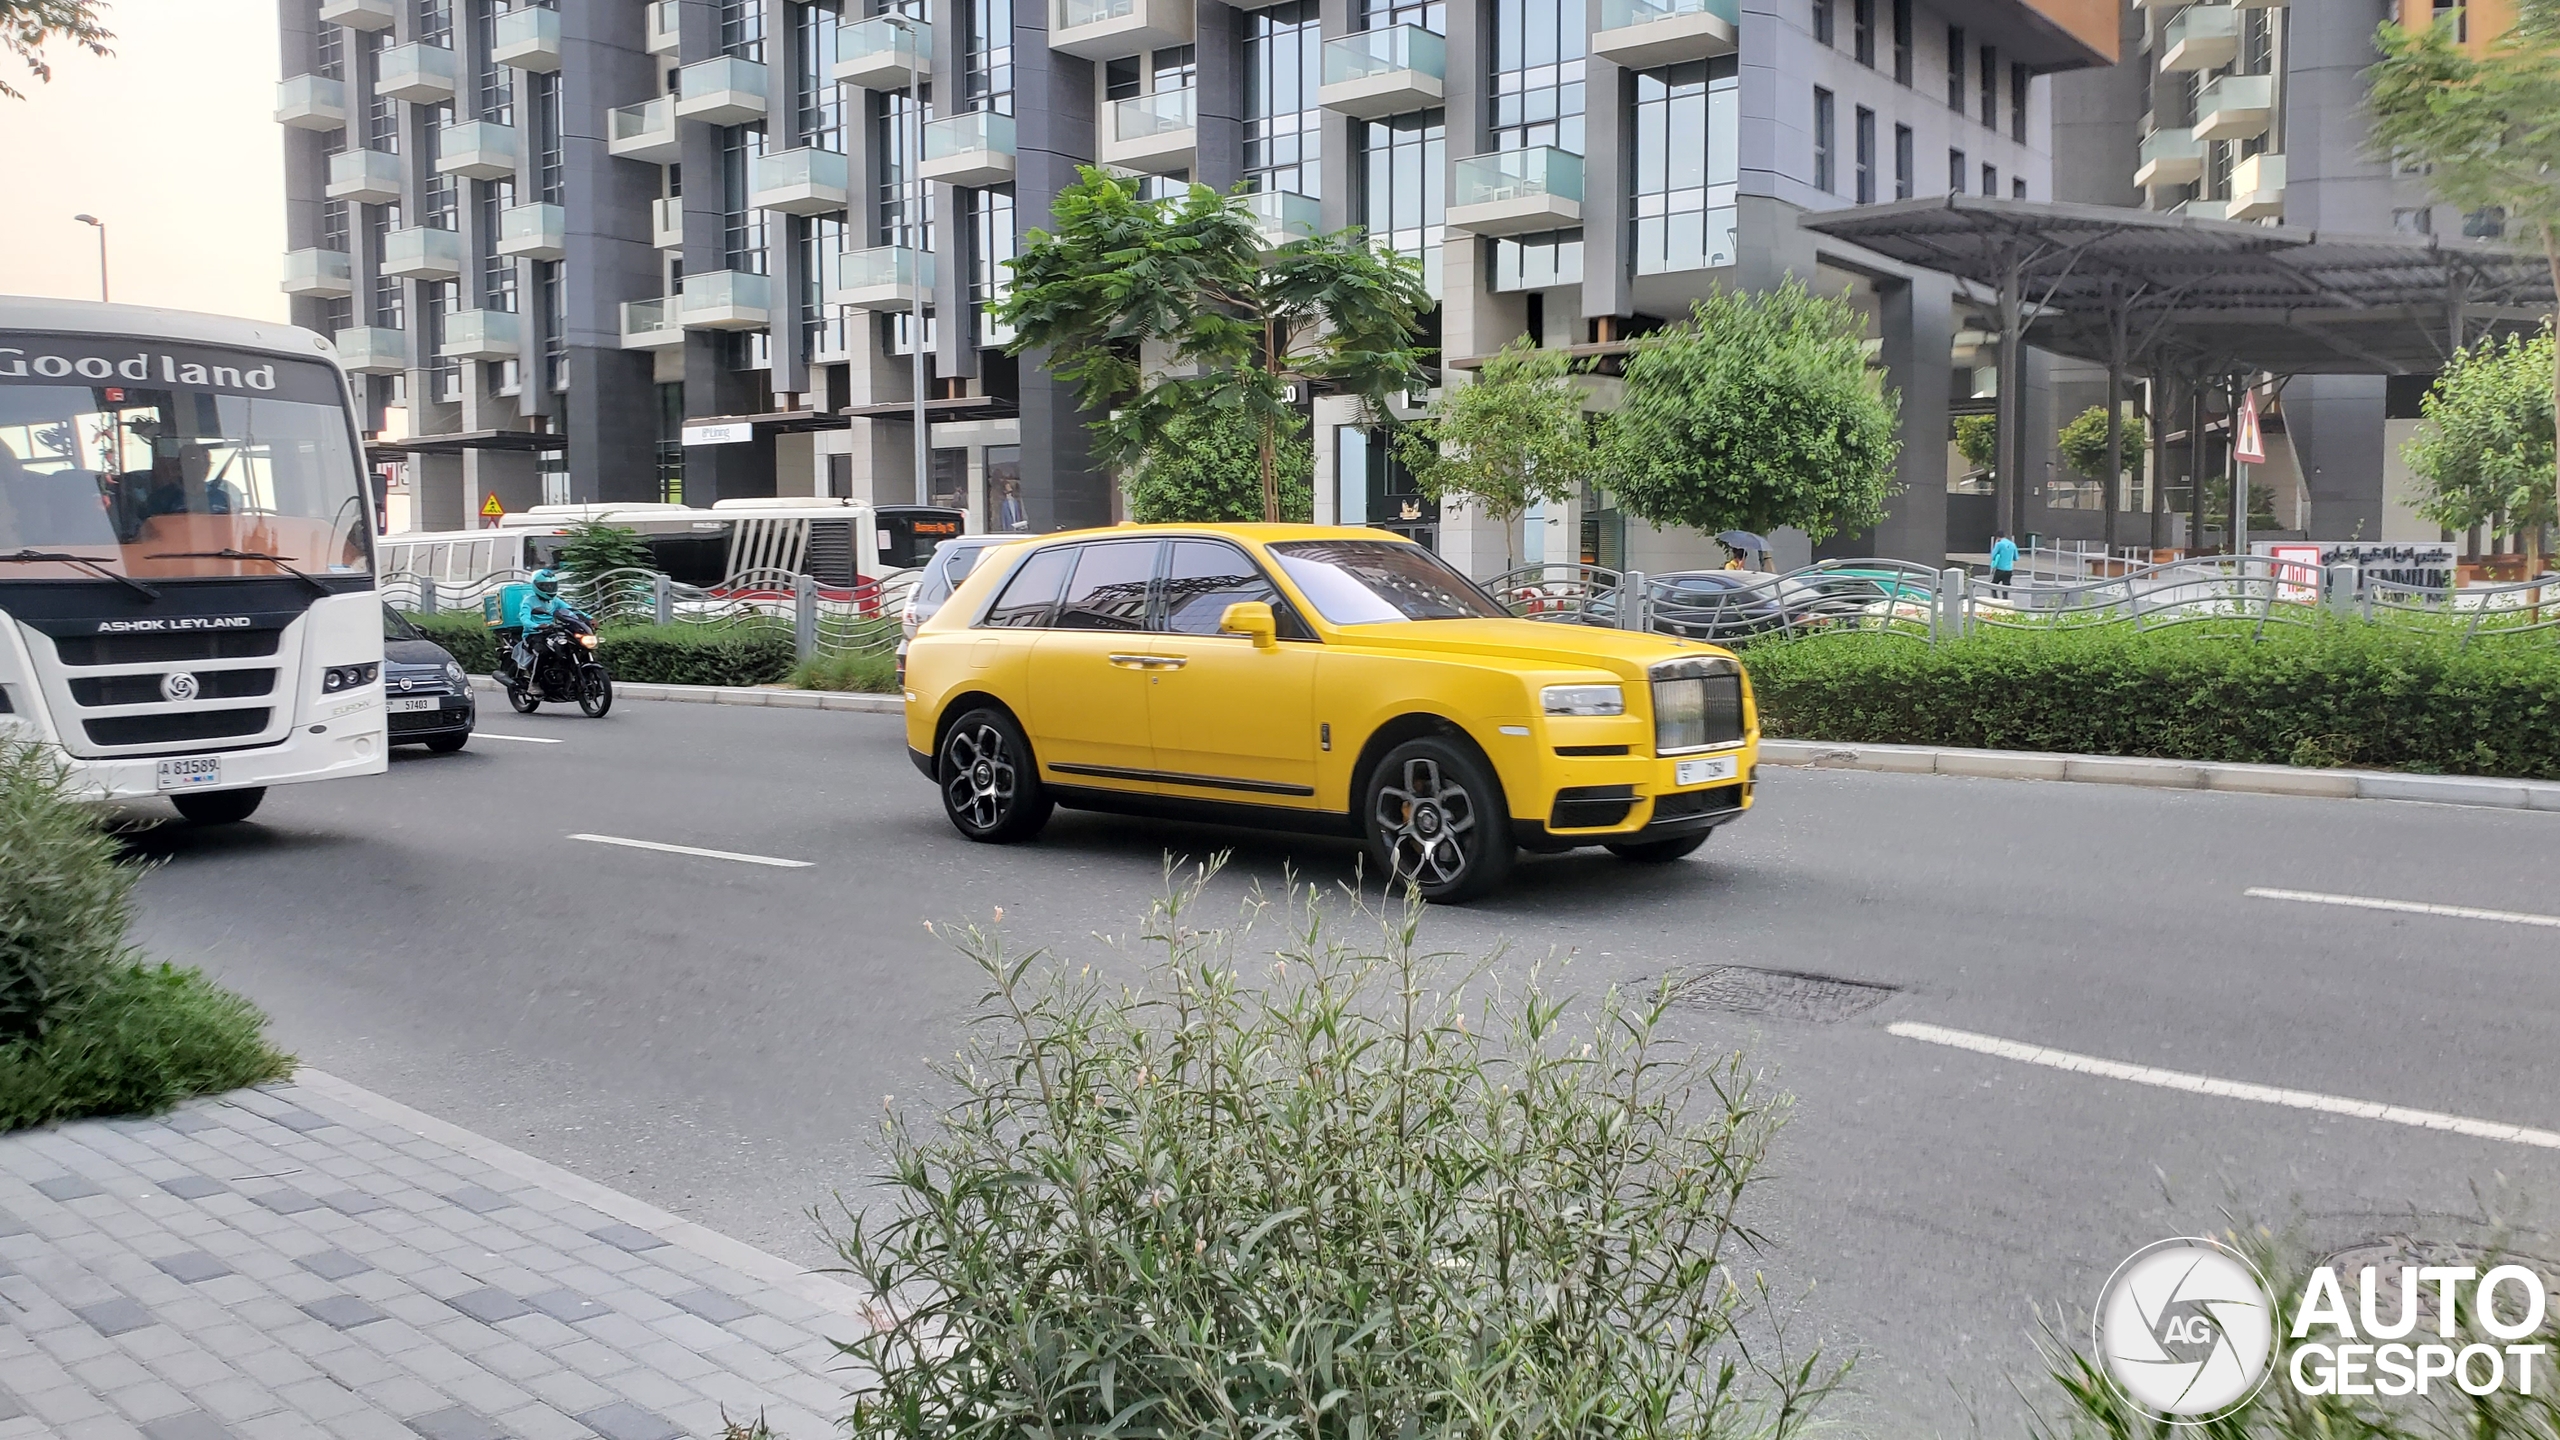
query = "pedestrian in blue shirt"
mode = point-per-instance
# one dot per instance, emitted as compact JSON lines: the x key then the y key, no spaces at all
{"x":2004,"y":560}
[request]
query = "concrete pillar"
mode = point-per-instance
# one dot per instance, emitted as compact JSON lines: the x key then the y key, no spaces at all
{"x":1918,"y":321}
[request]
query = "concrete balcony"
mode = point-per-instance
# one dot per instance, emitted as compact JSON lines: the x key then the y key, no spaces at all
{"x":373,"y":349}
{"x":2203,"y":209}
{"x":722,"y":91}
{"x":971,"y":149}
{"x":1643,"y":34}
{"x":368,"y":177}
{"x":1514,"y":192}
{"x":534,"y":232}
{"x":724,"y":300}
{"x":1378,"y":73}
{"x":805,"y":181}
{"x":1103,"y":29}
{"x":877,"y":55}
{"x":528,"y":39}
{"x":1283,"y":217}
{"x":646,"y":131}
{"x":666,"y":222}
{"x":2257,"y":188}
{"x":360,"y":14}
{"x":659,"y":26}
{"x":2169,"y":157}
{"x":650,"y":325}
{"x":2235,"y":107}
{"x":2201,"y":37}
{"x":482,"y":335}
{"x":422,"y":253}
{"x":325,"y":274}
{"x":420,"y":74}
{"x":312,"y":102}
{"x":1156,"y":133}
{"x":886,"y":277}
{"x":477,"y":150}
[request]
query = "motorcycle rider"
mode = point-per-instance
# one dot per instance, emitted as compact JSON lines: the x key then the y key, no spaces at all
{"x":544,"y":607}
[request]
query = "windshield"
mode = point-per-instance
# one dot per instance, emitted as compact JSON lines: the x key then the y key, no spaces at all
{"x":396,"y":626}
{"x":205,"y":450}
{"x":1370,"y":582}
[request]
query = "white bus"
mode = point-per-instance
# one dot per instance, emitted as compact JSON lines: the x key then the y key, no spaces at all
{"x":836,"y":542}
{"x":187,"y":602}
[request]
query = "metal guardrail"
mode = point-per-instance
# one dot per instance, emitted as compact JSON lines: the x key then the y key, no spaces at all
{"x":824,"y":621}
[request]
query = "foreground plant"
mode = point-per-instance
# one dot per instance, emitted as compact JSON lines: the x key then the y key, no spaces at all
{"x":1319,"y":1195}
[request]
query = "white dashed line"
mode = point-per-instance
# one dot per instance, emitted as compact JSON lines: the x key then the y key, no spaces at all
{"x":2410,"y":907}
{"x":519,"y":739}
{"x":695,"y":851}
{"x":2227,"y":1089}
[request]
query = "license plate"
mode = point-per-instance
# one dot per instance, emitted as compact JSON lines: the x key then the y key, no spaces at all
{"x":1705,"y":770}
{"x":411,"y":704}
{"x":190,"y":772}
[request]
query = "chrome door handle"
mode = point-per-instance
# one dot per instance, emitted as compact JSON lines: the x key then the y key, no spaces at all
{"x":1133,"y":662}
{"x":1167,"y":662}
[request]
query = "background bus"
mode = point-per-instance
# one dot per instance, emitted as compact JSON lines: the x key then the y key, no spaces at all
{"x":187,"y":603}
{"x":838,"y":543}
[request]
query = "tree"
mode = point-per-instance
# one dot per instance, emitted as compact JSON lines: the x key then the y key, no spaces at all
{"x":1154,"y":308}
{"x":27,"y":25}
{"x":2084,"y":444}
{"x":1515,"y":437}
{"x":1757,"y":413}
{"x":1978,"y":440}
{"x":2487,"y":133}
{"x":1207,"y":467}
{"x":593,"y":550}
{"x":2485,"y":455}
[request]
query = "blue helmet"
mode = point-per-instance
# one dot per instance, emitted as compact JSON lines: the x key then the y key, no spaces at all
{"x":546,"y":582}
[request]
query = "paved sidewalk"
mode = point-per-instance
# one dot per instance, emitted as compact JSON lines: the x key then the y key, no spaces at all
{"x":312,"y":1262}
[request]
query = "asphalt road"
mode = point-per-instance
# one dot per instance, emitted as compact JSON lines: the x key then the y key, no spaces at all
{"x":718,"y":1037}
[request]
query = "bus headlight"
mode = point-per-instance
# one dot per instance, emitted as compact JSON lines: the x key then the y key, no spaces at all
{"x":348,"y":677}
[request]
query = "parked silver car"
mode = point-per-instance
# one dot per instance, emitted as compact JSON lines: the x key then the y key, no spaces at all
{"x":950,"y":563}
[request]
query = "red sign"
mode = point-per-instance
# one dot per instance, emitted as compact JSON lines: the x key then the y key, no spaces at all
{"x":2249,"y":447}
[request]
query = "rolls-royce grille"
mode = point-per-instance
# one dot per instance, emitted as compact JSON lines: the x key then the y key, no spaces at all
{"x":1696,"y":704}
{"x":176,"y":727}
{"x":176,"y":648}
{"x":145,"y":689}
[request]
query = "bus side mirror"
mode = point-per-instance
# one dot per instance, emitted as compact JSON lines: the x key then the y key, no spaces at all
{"x":1253,"y":620}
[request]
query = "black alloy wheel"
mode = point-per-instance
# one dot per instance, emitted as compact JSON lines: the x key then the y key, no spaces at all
{"x":990,"y":785}
{"x":1436,"y":820}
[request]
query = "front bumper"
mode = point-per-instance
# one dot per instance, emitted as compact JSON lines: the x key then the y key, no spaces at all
{"x":453,"y":715}
{"x":1578,"y":793}
{"x":301,"y":756}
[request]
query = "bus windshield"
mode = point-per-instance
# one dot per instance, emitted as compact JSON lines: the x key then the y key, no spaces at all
{"x":250,"y":472}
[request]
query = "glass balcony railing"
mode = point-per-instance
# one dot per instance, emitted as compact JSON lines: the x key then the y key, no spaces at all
{"x":482,"y":335}
{"x":724,"y":298}
{"x":648,"y":118}
{"x":723,"y":89}
{"x":2200,"y":37}
{"x":422,"y":253}
{"x":1371,"y":54}
{"x":311,"y":102}
{"x":884,"y":272}
{"x":372,"y":349}
{"x":1143,"y":117}
{"x":528,"y":38}
{"x":1284,"y":217}
{"x":478,"y":149}
{"x":415,"y":72}
{"x":666,"y":222}
{"x":1094,"y":12}
{"x":648,"y":323}
{"x":369,"y":176}
{"x":2234,"y":107}
{"x":1516,"y":175}
{"x":537,"y":230}
{"x":804,"y":173}
{"x":958,"y":135}
{"x":318,"y":272}
{"x":2169,"y":157}
{"x":879,"y":49}
{"x":1621,"y":14}
{"x":662,"y":19}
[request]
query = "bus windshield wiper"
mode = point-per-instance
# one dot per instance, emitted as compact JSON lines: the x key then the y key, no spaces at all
{"x":227,"y":553}
{"x":56,"y":557}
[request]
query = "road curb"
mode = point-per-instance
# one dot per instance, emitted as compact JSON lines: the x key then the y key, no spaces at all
{"x":2165,"y":774}
{"x":768,"y":697}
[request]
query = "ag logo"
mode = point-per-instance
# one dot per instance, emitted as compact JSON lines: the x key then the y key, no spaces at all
{"x":178,"y":685}
{"x":2186,"y":1330}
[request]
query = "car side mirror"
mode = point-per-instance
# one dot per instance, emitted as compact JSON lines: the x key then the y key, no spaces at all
{"x":1253,"y":620}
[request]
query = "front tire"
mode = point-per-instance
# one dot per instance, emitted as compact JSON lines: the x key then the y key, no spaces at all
{"x":1437,"y":821}
{"x":447,"y":744}
{"x":1659,"y":852}
{"x":595,"y":691}
{"x":220,"y":807}
{"x":990,"y":784}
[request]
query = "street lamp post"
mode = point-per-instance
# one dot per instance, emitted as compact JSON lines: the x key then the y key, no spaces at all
{"x":100,"y":226}
{"x":905,"y":25}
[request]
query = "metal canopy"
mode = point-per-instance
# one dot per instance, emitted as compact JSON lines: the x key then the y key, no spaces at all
{"x":2212,"y":295}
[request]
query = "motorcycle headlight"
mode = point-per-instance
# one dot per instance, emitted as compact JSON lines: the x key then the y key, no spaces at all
{"x":1583,"y":700}
{"x":587,"y":640}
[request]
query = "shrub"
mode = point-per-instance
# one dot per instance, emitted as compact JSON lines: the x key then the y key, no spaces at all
{"x":1329,"y":1199}
{"x":67,"y":902}
{"x":463,"y":633}
{"x":875,"y":673}
{"x":689,"y":654}
{"x":2337,"y":693}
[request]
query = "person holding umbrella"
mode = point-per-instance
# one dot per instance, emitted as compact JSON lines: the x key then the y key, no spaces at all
{"x":1738,"y":543}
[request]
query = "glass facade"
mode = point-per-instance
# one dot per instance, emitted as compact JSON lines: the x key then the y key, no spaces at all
{"x":893,"y":134}
{"x":986,"y":56}
{"x":991,"y":244}
{"x":742,"y":225}
{"x":819,"y":118}
{"x":1686,"y":162}
{"x":1283,"y":130}
{"x":550,"y":174}
{"x":493,"y":85}
{"x":1537,"y":74}
{"x":1403,"y":167}
{"x":742,"y":29}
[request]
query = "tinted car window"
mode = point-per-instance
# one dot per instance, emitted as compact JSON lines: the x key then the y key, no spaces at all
{"x":1369,"y":582}
{"x":396,"y":626}
{"x":1109,"y":591}
{"x":1204,"y":577}
{"x":1032,"y":593}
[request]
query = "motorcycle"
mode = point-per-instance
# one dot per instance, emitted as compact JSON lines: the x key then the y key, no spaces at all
{"x":565,"y":669}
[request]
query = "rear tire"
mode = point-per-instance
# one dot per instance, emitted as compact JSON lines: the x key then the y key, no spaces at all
{"x":1437,"y":820}
{"x":595,"y":692}
{"x":220,"y":807}
{"x":447,"y":744}
{"x":1659,"y":852}
{"x":990,"y":784}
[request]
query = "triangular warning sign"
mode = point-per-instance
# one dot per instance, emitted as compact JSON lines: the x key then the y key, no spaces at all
{"x":491,"y":508}
{"x":2249,"y":447}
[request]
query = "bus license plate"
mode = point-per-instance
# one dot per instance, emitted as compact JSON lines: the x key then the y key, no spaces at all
{"x":1700,"y":772}
{"x":191,"y":772}
{"x":411,"y":704}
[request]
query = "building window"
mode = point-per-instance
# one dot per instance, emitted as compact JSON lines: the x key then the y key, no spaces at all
{"x":553,"y":297}
{"x":2018,"y":78}
{"x":1431,"y":15}
{"x":1537,"y":262}
{"x":1865,"y":141}
{"x":1955,"y":172}
{"x":493,"y":84}
{"x":991,"y":244}
{"x":497,"y":272}
{"x":2461,"y":14}
{"x":1825,"y":139}
{"x":1686,"y":159}
{"x":550,"y":172}
{"x":1537,"y":74}
{"x":1823,"y":23}
{"x":431,"y":23}
{"x":819,"y":118}
{"x":389,"y":294}
{"x":1283,"y":126}
{"x":1902,"y":42}
{"x":381,"y":112}
{"x":892,"y":135}
{"x":333,"y":225}
{"x":741,"y":224}
{"x":439,"y":195}
{"x":329,"y":52}
{"x":1955,"y":68}
{"x":986,"y":57}
{"x":2017,"y":187}
{"x":1991,"y":180}
{"x":1402,"y":163}
{"x":1862,"y":32}
{"x":1990,"y":80}
{"x":742,"y":29}
{"x":1903,"y":161}
{"x":813,"y":239}
{"x":671,"y":444}
{"x":444,"y":376}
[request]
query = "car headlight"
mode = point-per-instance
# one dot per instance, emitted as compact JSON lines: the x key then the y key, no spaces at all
{"x":453,"y":671}
{"x":1583,"y":700}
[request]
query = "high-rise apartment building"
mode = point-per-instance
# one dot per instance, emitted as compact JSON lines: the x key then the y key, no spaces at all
{"x":660,"y":249}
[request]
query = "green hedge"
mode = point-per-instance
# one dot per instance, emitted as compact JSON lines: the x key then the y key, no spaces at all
{"x":2332,"y":694}
{"x":462,"y":633}
{"x":680,"y":654}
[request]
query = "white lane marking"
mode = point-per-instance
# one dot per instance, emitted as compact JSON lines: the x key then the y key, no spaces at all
{"x":519,"y":739}
{"x":2409,"y":907}
{"x":2227,"y":1089}
{"x":698,"y":851}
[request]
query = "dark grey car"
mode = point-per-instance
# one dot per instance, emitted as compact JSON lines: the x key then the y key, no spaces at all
{"x":428,"y":695}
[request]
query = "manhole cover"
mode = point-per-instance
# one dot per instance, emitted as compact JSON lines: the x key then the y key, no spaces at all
{"x":1779,"y":994}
